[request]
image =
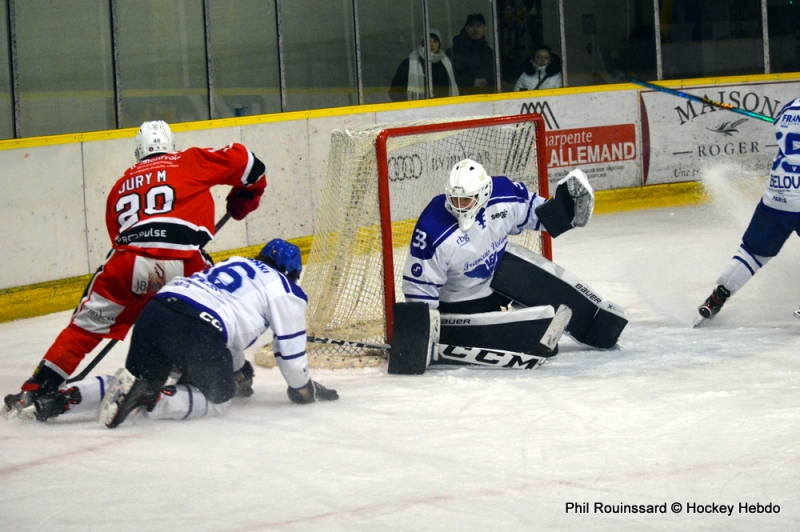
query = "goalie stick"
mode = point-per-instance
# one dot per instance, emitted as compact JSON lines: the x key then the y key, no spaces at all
{"x":101,"y":355}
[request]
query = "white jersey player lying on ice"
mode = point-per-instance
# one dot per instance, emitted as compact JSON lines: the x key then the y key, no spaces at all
{"x":459,"y":264}
{"x":200,"y":326}
{"x":776,"y":216}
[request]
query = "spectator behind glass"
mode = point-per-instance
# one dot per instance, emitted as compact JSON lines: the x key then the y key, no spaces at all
{"x":541,"y":71}
{"x":473,"y":59}
{"x":410,"y":83}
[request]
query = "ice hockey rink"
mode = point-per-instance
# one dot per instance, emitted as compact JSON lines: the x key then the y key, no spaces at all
{"x":687,"y":420}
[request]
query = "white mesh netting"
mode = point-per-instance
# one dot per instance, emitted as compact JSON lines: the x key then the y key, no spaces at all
{"x":344,"y":274}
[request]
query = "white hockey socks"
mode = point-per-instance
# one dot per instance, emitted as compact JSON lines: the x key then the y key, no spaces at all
{"x":186,"y":403}
{"x":92,"y":391}
{"x":742,"y":267}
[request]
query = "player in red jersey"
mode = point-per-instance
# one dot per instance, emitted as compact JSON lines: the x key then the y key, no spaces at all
{"x":159,"y":214}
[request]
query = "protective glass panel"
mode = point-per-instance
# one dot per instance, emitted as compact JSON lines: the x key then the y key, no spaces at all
{"x":711,"y":38}
{"x":162,"y":61}
{"x":524,"y":26}
{"x":390,"y":32}
{"x":783,"y":19}
{"x":244,"y":53}
{"x":66,"y":79}
{"x":470,"y":47}
{"x":609,"y":42}
{"x":319,"y":54}
{"x":6,"y":102}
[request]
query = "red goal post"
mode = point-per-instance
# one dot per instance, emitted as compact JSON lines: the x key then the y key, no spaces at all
{"x":379,"y":179}
{"x":383,"y":187}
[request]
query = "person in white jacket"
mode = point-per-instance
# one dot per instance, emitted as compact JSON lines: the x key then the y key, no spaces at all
{"x":541,"y":71}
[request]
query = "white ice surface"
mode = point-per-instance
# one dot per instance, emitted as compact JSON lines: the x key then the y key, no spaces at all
{"x":703,"y":416}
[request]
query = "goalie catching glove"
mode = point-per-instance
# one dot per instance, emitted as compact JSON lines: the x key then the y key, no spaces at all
{"x":571,"y":206}
{"x":310,"y":393}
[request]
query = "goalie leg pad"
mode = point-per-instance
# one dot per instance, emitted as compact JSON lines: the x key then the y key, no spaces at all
{"x":416,"y":331}
{"x":518,"y":331}
{"x":532,"y":280}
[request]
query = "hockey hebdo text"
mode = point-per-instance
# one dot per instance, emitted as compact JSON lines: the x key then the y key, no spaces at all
{"x":692,"y":508}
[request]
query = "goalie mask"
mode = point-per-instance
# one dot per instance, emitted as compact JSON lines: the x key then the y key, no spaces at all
{"x":467,"y":190}
{"x":153,"y":138}
{"x":282,"y":256}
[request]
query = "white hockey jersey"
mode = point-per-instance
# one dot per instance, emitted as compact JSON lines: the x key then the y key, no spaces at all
{"x":246,"y":297}
{"x":783,"y":191}
{"x":445,"y":264}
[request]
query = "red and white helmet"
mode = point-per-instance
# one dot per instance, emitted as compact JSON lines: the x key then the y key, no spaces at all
{"x":467,"y":190}
{"x":154,"y":137}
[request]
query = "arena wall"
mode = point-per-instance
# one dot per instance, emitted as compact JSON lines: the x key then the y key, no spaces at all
{"x":624,"y":137}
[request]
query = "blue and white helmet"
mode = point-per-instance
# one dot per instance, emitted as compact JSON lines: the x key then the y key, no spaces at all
{"x":282,"y":256}
{"x":154,"y":137}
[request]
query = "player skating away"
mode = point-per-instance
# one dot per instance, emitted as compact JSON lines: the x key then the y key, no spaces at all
{"x":200,"y":326}
{"x":158,"y":216}
{"x":776,"y":216}
{"x":460,"y":244}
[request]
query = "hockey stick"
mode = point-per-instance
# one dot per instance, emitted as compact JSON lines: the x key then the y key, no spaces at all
{"x":347,"y":343}
{"x":101,"y":355}
{"x":705,"y":100}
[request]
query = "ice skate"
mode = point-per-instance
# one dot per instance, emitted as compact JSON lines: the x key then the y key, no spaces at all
{"x":128,"y":395}
{"x":713,"y":304}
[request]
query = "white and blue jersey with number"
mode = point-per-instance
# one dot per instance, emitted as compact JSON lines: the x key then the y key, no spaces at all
{"x":783,"y":191}
{"x":243,"y":298}
{"x":445,"y":264}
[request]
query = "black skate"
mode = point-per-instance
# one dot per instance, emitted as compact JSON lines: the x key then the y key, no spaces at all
{"x":43,"y":381}
{"x":54,"y":404}
{"x":125,"y":394}
{"x":714,"y":303}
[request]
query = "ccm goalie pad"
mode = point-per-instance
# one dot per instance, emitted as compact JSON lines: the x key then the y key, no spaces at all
{"x":416,"y":334}
{"x":571,"y":206}
{"x":518,"y":339}
{"x":532,"y":280}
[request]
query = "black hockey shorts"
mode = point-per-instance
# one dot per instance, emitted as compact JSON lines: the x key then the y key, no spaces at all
{"x":168,"y":335}
{"x":768,"y":230}
{"x":491,"y":303}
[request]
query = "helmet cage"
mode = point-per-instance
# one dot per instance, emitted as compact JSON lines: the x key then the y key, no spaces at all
{"x":468,"y":180}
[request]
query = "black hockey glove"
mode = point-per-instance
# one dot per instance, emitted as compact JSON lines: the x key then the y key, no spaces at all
{"x":311,"y":392}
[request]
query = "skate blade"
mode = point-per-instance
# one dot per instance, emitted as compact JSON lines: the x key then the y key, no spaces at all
{"x":698,"y":321}
{"x":120,"y":384}
{"x":796,"y":313}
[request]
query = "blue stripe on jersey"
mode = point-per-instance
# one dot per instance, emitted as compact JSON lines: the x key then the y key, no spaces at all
{"x":528,"y":215}
{"x":290,"y":336}
{"x":102,"y":387}
{"x":298,"y":355}
{"x":292,"y":288}
{"x":417,"y":281}
{"x":429,"y":298}
{"x":165,"y":294}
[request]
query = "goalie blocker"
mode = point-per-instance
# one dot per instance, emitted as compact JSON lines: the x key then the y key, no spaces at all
{"x":519,"y":339}
{"x":532,"y":280}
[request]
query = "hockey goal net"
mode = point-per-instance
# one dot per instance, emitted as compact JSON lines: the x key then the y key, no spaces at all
{"x":379,"y":180}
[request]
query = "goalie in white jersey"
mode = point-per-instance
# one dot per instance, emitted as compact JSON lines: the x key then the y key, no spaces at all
{"x":461,"y":236}
{"x":460,"y":273}
{"x":776,"y":216}
{"x":200,"y":326}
